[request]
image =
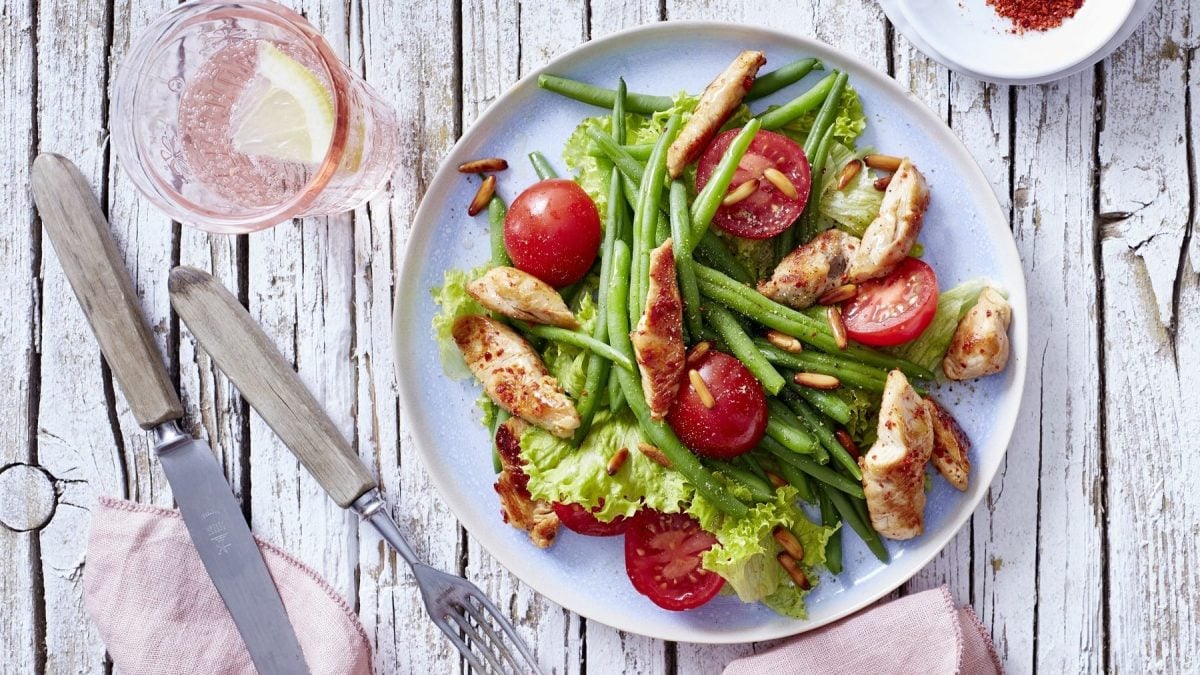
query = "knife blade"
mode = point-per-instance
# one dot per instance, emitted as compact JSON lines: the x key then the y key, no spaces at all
{"x":93,"y":266}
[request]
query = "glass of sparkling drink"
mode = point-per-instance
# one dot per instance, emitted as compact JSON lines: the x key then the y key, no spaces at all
{"x":235,"y":116}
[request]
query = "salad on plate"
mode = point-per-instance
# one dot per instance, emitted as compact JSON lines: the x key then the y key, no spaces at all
{"x":717,"y":340}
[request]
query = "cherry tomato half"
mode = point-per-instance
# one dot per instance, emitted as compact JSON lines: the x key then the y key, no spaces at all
{"x":767,"y":211}
{"x":894,"y":309}
{"x":737,"y":420}
{"x":552,"y":231}
{"x":662,"y":559}
{"x":579,"y":519}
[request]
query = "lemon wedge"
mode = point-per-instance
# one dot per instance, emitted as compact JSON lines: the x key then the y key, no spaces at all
{"x":290,"y":111}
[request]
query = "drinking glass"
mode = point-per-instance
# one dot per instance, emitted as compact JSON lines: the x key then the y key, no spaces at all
{"x":192,"y":79}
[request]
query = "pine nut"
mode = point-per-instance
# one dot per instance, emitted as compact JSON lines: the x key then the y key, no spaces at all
{"x":837,"y":326}
{"x":781,"y":182}
{"x":883,"y":183}
{"x":848,"y":443}
{"x":816,"y":381}
{"x":698,"y":353}
{"x":840,"y":294}
{"x":883,"y":162}
{"x":775,"y":480}
{"x":485,"y":165}
{"x":484,"y":195}
{"x":789,"y":565}
{"x":740,"y":192}
{"x":788,"y":541}
{"x":617,"y":461}
{"x":785,"y":342}
{"x":654,"y":454}
{"x":701,"y":388}
{"x":848,"y":173}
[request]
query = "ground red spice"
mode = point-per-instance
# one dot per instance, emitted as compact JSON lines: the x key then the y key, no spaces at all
{"x":1036,"y":14}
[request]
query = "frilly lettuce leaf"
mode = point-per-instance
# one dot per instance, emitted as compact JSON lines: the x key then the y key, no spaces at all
{"x":864,"y":414}
{"x":559,"y":472}
{"x":568,"y":363}
{"x":852,"y":208}
{"x":454,"y":302}
{"x":745,"y":554}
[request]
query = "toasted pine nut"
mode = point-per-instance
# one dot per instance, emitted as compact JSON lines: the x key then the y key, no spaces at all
{"x":698,"y":353}
{"x":840,"y":294}
{"x":883,"y":162}
{"x":788,"y":541}
{"x":701,"y":388}
{"x":848,"y":443}
{"x":789,"y":565}
{"x":654,"y":454}
{"x":883,"y":183}
{"x":617,"y":461}
{"x":775,"y":480}
{"x":740,"y":192}
{"x":816,"y":381}
{"x":485,"y":165}
{"x":482,"y":196}
{"x":781,"y":182}
{"x":837,"y":326}
{"x":848,"y":173}
{"x":785,"y":342}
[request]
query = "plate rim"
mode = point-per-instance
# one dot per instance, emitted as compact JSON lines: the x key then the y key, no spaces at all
{"x":405,"y":296}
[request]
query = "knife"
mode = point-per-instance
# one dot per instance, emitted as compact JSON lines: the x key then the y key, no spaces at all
{"x":81,"y":238}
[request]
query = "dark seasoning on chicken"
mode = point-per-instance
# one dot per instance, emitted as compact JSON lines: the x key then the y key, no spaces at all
{"x":741,"y":360}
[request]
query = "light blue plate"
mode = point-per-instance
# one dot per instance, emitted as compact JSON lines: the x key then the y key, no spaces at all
{"x":965,"y":235}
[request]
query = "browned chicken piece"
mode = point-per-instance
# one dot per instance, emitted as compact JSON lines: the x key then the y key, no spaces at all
{"x":980,"y":344}
{"x":520,"y":295}
{"x":890,"y":237}
{"x":718,"y":102}
{"x":517,"y":507}
{"x":812,"y":269}
{"x":950,"y":446}
{"x":894,"y":467}
{"x":658,"y":338}
{"x":513,"y":374}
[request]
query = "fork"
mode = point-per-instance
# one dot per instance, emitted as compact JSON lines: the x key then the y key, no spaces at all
{"x":240,"y":348}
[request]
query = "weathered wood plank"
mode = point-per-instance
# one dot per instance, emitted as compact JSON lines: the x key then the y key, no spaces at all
{"x":413,"y":69}
{"x":1151,"y":348}
{"x":19,"y":249}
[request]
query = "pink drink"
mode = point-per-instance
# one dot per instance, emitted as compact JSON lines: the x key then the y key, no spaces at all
{"x":189,"y":86}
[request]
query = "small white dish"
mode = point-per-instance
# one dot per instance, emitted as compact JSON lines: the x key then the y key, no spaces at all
{"x":970,"y":37}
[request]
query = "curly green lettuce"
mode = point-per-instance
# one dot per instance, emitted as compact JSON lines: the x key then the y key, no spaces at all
{"x":454,"y":302}
{"x":848,"y":125}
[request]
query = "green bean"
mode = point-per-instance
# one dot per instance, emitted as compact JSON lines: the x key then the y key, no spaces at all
{"x":822,"y":474}
{"x":639,"y":151}
{"x":709,"y":198}
{"x":828,"y":403}
{"x":501,"y":415}
{"x":712,"y":252}
{"x":752,"y":465}
{"x":496,"y":213}
{"x":577,"y":339}
{"x":682,"y":459}
{"x":615,"y":154}
{"x":833,"y":545}
{"x":795,"y":478}
{"x":760,"y":490}
{"x":799,"y":105}
{"x":618,"y":111}
{"x":860,"y":526}
{"x":645,"y":216}
{"x":808,"y":225}
{"x":782,"y":427}
{"x":769,"y":83}
{"x":681,"y":231}
{"x":849,"y":373}
{"x":815,"y":332}
{"x":743,"y":347}
{"x":542,"y":166}
{"x":598,"y":96}
{"x":825,"y":119}
{"x":823,"y":432}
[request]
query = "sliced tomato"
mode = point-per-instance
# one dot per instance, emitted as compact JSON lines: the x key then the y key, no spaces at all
{"x":768,"y":210}
{"x":579,"y":519}
{"x":738,"y":418}
{"x":552,"y":231}
{"x":894,"y":309}
{"x":662,"y":559}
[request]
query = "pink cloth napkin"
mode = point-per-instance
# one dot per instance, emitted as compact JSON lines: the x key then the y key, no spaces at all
{"x":921,"y":634}
{"x":158,"y":612}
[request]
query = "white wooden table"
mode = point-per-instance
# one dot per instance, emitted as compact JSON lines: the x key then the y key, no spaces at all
{"x":1084,"y":556}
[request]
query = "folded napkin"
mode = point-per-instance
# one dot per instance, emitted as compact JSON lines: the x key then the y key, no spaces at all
{"x":918,"y":634}
{"x":158,"y":612}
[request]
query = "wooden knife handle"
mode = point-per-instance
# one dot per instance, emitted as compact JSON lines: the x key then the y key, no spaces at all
{"x":84,"y":244}
{"x":266,"y":380}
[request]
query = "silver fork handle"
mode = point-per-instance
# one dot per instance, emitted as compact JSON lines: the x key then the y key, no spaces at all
{"x":371,"y":508}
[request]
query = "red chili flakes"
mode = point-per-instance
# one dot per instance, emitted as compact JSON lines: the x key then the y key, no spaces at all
{"x":1036,"y":14}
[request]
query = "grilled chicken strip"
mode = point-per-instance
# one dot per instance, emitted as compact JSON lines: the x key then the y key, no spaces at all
{"x":834,"y":258}
{"x":517,"y":507}
{"x":890,"y":237}
{"x":811,"y":270}
{"x":658,"y":339}
{"x":950,"y":446}
{"x":513,"y":374}
{"x":894,"y":467}
{"x":718,"y":102}
{"x":980,"y":344}
{"x":520,"y":295}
